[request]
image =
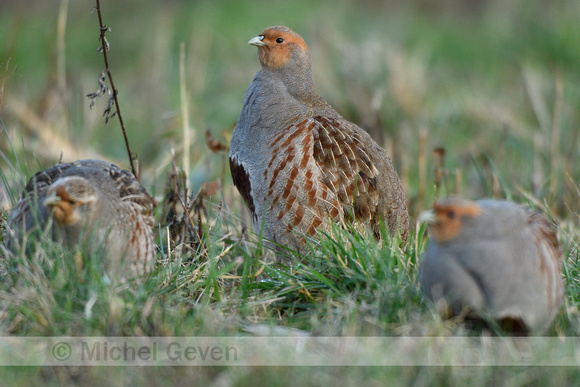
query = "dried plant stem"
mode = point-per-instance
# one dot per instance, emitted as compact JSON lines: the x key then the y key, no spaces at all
{"x":457,"y":181}
{"x":422,"y":170}
{"x":198,"y":233}
{"x":439,"y":155}
{"x":105,"y":48}
{"x":555,"y":132}
{"x":495,"y":186}
{"x":61,"y":61}
{"x":538,"y":173}
{"x":184,"y":110}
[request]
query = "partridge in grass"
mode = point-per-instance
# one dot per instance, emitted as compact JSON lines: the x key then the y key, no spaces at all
{"x":92,"y":203}
{"x":297,"y":163}
{"x":499,"y":259}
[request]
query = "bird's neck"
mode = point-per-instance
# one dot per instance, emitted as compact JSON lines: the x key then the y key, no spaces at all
{"x":298,"y":82}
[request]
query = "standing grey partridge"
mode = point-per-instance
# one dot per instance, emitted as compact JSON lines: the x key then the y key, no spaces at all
{"x":497,"y":258}
{"x":92,"y":203}
{"x":297,"y":163}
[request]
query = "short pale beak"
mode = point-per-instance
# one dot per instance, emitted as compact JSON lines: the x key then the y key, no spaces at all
{"x":427,"y":217}
{"x":52,"y":200}
{"x":257,"y":41}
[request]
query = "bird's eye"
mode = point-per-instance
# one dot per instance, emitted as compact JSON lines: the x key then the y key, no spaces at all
{"x":279,"y":40}
{"x":451,"y":214}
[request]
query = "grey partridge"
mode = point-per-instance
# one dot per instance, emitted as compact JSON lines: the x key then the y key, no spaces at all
{"x":497,"y":258}
{"x":92,"y":203}
{"x":297,"y":163}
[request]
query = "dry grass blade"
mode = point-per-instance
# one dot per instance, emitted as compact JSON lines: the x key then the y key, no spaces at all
{"x":51,"y":139}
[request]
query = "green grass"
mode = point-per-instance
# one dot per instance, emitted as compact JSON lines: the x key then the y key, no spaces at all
{"x":496,"y":85}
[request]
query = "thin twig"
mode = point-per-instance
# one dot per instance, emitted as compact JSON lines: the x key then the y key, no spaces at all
{"x":104,"y":49}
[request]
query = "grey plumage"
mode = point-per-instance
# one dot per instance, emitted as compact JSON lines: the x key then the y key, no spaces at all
{"x":498,"y":258}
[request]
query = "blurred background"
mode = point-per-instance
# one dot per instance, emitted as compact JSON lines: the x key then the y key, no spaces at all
{"x":478,"y":97}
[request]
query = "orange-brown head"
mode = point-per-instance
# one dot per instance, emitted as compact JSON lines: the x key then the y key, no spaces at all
{"x":70,"y":199}
{"x":447,"y":217}
{"x":276,"y":46}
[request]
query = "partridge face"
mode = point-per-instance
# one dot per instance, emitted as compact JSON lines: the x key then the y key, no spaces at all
{"x":276,"y":46}
{"x":71,"y":199}
{"x":448,"y":218}
{"x":497,"y":258}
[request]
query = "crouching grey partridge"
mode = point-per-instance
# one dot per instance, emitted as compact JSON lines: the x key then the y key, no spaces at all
{"x":92,"y":203}
{"x":297,"y":163}
{"x":497,"y":258}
